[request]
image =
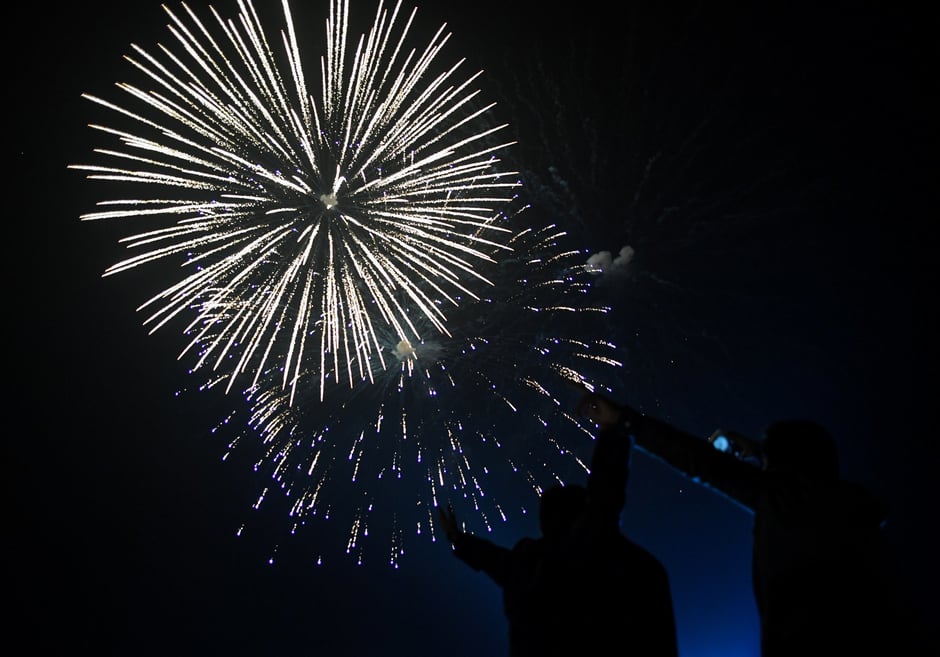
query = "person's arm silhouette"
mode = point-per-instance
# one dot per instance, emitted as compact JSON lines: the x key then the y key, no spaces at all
{"x":449,"y":523}
{"x":610,"y":461}
{"x":478,"y":553}
{"x":695,"y":457}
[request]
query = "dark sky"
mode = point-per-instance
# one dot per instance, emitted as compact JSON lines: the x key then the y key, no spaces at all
{"x":769,"y":168}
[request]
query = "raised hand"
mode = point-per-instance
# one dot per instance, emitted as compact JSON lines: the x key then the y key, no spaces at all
{"x":449,"y":522}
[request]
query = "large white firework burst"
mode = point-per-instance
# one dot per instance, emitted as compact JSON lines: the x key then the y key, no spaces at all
{"x":307,"y":222}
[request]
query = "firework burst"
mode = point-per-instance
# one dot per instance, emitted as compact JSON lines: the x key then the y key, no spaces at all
{"x":307,"y":222}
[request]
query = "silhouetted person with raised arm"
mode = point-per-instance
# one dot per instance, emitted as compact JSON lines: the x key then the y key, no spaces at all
{"x":823,"y":577}
{"x":582,"y":587}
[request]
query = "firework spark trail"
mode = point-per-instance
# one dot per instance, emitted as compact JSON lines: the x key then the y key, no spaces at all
{"x":304,"y":219}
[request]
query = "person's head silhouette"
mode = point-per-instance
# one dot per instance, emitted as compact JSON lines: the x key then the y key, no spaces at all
{"x":801,"y":447}
{"x":559,"y":508}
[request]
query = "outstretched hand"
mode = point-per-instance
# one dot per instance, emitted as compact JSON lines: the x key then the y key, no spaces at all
{"x":449,"y":523}
{"x":601,"y":411}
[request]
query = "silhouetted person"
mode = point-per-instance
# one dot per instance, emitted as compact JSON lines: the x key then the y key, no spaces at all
{"x":582,"y":587}
{"x":822,"y":574}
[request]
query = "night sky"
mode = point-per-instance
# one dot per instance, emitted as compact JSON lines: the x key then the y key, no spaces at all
{"x":770,"y":169}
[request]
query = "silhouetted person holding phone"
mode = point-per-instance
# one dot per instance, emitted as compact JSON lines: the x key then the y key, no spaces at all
{"x":823,"y":578}
{"x":582,"y":587}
